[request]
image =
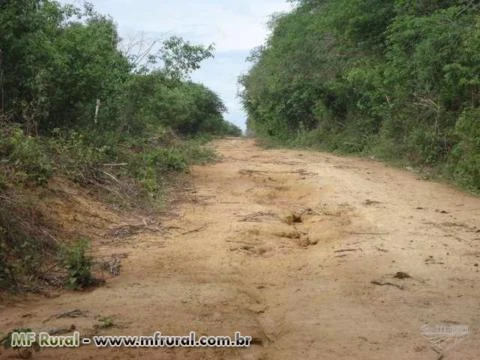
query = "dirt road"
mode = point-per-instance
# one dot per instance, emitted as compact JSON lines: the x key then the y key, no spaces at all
{"x":315,"y":256}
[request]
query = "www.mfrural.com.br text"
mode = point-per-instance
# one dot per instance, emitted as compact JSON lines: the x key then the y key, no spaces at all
{"x":157,"y":340}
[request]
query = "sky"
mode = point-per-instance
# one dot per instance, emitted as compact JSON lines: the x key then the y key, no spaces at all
{"x":234,"y":26}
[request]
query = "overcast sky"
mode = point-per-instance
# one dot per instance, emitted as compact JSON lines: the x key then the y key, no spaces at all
{"x":235,"y":26}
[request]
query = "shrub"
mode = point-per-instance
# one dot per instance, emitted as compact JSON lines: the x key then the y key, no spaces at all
{"x":26,"y":155}
{"x":78,"y":265}
{"x":464,"y":162}
{"x":76,"y":157}
{"x":195,"y":152}
{"x":167,"y":160}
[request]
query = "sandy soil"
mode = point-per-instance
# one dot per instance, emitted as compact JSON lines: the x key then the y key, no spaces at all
{"x":299,"y":250}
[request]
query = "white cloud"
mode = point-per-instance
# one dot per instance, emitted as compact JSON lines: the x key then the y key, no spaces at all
{"x":231,"y":25}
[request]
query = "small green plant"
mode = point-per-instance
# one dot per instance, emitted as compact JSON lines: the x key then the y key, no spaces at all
{"x":79,"y":265}
{"x":106,"y":322}
{"x":169,"y":159}
{"x":196,"y":153}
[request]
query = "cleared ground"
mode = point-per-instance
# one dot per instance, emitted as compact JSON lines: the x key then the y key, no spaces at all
{"x":315,"y":256}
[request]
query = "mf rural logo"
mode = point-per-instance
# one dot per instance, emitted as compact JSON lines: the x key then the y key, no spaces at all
{"x":444,"y":338}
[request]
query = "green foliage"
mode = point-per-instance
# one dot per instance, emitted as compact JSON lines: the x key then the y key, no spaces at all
{"x":154,"y":100}
{"x":230,"y":129}
{"x":58,"y":61}
{"x":153,"y":165}
{"x":180,"y":57}
{"x":55,"y":66}
{"x":78,"y":264}
{"x":24,"y":157}
{"x":465,"y":156}
{"x":165,"y":160}
{"x":79,"y":156}
{"x":196,"y":153}
{"x":106,"y":322}
{"x":396,"y":78}
{"x":73,"y":104}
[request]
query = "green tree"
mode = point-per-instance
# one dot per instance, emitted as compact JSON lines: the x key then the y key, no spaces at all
{"x":391,"y":77}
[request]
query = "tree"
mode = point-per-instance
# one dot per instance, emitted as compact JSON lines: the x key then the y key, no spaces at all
{"x":391,"y":77}
{"x":181,"y":58}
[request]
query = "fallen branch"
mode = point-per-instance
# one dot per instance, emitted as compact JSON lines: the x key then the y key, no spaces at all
{"x":347,"y":250}
{"x":69,"y":314}
{"x":112,"y":177}
{"x":194,"y":230}
{"x":380,"y":283}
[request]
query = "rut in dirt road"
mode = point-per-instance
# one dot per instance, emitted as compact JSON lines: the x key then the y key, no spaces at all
{"x":313,"y":255}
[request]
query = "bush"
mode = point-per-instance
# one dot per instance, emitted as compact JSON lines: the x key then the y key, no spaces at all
{"x":78,"y":265}
{"x":25,"y":156}
{"x":76,"y":157}
{"x":464,"y":161}
{"x":195,"y":152}
{"x":165,"y":160}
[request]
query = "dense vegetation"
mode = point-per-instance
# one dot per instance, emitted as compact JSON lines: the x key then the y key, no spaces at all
{"x":398,"y":79}
{"x":72,"y":102}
